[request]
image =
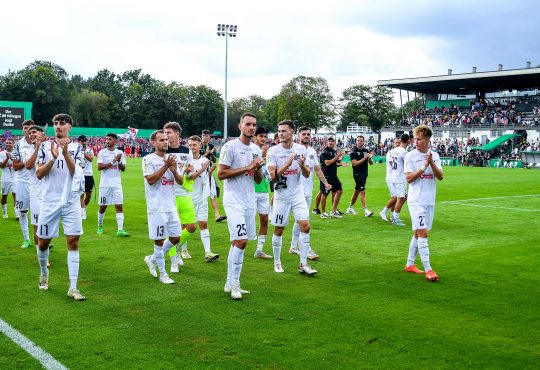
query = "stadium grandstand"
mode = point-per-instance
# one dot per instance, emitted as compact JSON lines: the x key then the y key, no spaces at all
{"x":479,"y":118}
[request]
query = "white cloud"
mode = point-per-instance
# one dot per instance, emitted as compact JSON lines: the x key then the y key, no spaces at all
{"x":177,"y":41}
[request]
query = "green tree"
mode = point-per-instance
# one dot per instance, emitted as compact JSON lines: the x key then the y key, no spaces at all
{"x":366,"y":105}
{"x":90,"y":109}
{"x":204,"y":110}
{"x":307,"y":99}
{"x":255,"y":104}
{"x":44,"y":84}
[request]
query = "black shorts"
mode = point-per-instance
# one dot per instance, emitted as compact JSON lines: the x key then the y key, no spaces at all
{"x":334,"y":181}
{"x":88,"y":184}
{"x":360,"y":181}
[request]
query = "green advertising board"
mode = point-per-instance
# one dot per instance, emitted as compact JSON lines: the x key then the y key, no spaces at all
{"x":13,"y":113}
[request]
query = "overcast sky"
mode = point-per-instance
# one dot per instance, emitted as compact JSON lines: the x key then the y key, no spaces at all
{"x":345,"y":42}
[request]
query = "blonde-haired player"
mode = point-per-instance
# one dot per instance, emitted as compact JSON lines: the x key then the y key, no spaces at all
{"x":200,"y":194}
{"x":422,"y":168}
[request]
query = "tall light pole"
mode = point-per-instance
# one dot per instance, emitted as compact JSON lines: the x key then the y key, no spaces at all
{"x":227,"y":30}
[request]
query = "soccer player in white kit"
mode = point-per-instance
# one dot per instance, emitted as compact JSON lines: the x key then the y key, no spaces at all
{"x":37,"y":136}
{"x":88,"y":175}
{"x":422,"y":167}
{"x":6,"y":164}
{"x":399,"y":183}
{"x":200,"y":193}
{"x":60,"y":168}
{"x":160,"y":172}
{"x":22,"y":150}
{"x":389,"y":182}
{"x":239,"y":165}
{"x":110,"y":162}
{"x":262,"y":198}
{"x":286,"y":164}
{"x":312,"y":161}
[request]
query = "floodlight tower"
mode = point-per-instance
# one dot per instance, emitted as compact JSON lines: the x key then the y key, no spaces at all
{"x":227,"y":30}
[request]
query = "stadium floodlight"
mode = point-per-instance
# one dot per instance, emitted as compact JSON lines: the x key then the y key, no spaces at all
{"x":227,"y":30}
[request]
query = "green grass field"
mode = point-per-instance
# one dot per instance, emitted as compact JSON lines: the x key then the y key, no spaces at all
{"x":360,"y":311}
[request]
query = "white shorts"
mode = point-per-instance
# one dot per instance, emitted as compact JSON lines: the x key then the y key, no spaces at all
{"x":163,"y":224}
{"x":35,"y":206}
{"x":49,"y":220}
{"x":241,"y":222}
{"x":400,"y":189}
{"x":308,"y":200}
{"x":391,"y":189}
{"x":421,"y":216}
{"x":201,"y":210}
{"x":213,"y":190}
{"x":262,"y":200}
{"x":110,"y":196}
{"x":22,"y":189}
{"x":282,"y":209}
{"x":7,"y":187}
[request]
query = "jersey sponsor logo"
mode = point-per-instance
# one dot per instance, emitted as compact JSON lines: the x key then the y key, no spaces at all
{"x":166,"y":181}
{"x":426,"y":176}
{"x":290,"y":172}
{"x":250,"y":173}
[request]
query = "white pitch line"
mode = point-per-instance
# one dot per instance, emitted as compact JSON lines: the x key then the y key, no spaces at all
{"x":507,"y":208}
{"x":507,"y":196}
{"x":35,"y":351}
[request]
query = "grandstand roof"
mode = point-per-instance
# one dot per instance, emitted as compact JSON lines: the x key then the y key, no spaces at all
{"x":469,"y":83}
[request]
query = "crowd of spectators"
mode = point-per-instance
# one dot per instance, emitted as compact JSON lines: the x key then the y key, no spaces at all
{"x":501,"y":113}
{"x":460,"y":150}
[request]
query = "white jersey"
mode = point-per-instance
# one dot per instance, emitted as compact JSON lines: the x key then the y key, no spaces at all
{"x":277,"y":157}
{"x":87,"y":163}
{"x":159,"y":196}
{"x":312,"y":160}
{"x":201,"y":186}
{"x":184,"y":158}
{"x":110,"y":178}
{"x":389,"y":165}
{"x":398,"y":164}
{"x":22,"y":150}
{"x":422,"y":191}
{"x":7,"y":172}
{"x":55,"y":181}
{"x":239,"y":191}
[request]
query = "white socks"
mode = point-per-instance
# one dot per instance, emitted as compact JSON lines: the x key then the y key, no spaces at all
{"x":120,"y":221}
{"x":304,"y":247}
{"x":23,"y":222}
{"x":413,"y":249}
{"x":73,"y":267}
{"x":205,"y":239}
{"x":229,"y":266}
{"x":395,"y":215}
{"x":100,"y":218}
{"x":160,"y":259}
{"x":237,"y":261}
{"x":276,"y":246}
{"x":167,"y":245}
{"x":423,"y":250}
{"x":4,"y":209}
{"x":385,"y":209}
{"x":261,"y":239}
{"x":43,"y":257}
{"x":295,"y":235}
